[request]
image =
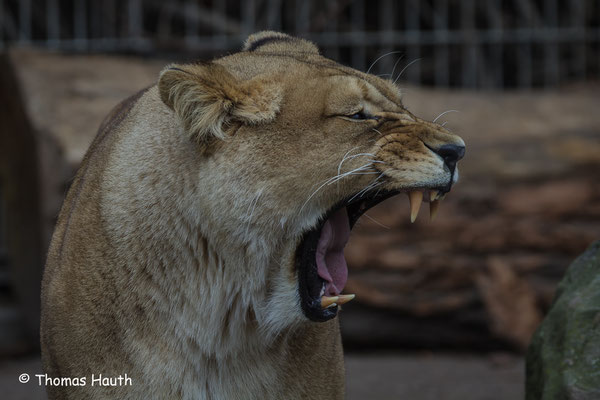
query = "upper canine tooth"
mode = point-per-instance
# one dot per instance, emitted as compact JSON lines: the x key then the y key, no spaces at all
{"x":344,"y":298}
{"x":433,"y":208}
{"x":327,"y":301}
{"x":415,"y":197}
{"x":433,"y":195}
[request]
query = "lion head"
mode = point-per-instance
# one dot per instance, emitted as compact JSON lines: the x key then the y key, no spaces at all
{"x":295,"y":148}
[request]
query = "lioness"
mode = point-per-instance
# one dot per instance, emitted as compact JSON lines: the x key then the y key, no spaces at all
{"x":199,"y":251}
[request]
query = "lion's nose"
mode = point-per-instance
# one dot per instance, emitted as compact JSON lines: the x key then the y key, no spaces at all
{"x":451,"y":153}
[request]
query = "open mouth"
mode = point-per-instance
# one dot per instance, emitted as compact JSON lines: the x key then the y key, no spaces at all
{"x":320,"y":263}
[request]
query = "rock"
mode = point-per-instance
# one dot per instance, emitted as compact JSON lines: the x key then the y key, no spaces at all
{"x":563,"y":360}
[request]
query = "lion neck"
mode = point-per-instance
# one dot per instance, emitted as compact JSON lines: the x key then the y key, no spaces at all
{"x":231,"y":302}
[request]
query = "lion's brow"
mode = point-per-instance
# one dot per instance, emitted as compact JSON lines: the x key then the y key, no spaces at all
{"x":329,"y":64}
{"x":363,"y":88}
{"x":365,"y":92}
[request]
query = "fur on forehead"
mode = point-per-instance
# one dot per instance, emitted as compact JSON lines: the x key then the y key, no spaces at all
{"x":277,"y":42}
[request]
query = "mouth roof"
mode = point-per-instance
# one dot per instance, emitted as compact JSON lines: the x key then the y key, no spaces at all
{"x":320,"y":262}
{"x":331,"y":263}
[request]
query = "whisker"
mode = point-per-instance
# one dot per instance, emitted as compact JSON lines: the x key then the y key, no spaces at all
{"x":344,"y":158}
{"x":373,"y":184}
{"x":334,"y":179}
{"x":377,"y":131}
{"x":366,"y":173}
{"x":380,"y":57}
{"x":355,"y":196}
{"x":338,"y":177}
{"x":347,"y":157}
{"x":366,"y":189}
{"x":359,"y":154}
{"x":396,"y":64}
{"x":404,"y":69}
{"x":354,"y":156}
{"x":444,"y":113}
{"x":377,"y":222}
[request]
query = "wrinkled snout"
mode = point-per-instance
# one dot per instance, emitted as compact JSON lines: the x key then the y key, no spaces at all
{"x":419,"y":154}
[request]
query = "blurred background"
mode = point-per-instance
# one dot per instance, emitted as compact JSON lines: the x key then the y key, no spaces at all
{"x":444,"y":309}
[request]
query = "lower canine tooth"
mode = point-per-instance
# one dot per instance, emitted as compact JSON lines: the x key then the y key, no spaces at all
{"x":433,"y":208}
{"x":344,"y":298}
{"x":415,"y":198}
{"x":327,"y":301}
{"x":331,"y":305}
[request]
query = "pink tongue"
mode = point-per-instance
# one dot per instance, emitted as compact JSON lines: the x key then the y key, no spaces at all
{"x":331,"y":264}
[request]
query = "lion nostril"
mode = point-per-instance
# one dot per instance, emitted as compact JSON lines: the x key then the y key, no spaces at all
{"x":451,"y":153}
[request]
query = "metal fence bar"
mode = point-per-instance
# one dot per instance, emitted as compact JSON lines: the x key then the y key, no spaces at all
{"x":529,"y":16}
{"x":134,"y":21}
{"x":440,"y":25}
{"x":219,"y":37}
{"x":578,"y":62}
{"x":53,"y":23}
{"x":302,"y":17}
{"x":412,"y":15}
{"x":357,"y":17}
{"x":597,"y":49}
{"x":24,"y":21}
{"x":524,"y":49}
{"x":2,"y":25}
{"x":248,"y":17}
{"x":552,"y":71}
{"x":496,"y":65}
{"x":80,"y":27}
{"x":8,"y":25}
{"x":469,"y":62}
{"x":443,"y":31}
{"x":109,"y":27}
{"x":476,"y":37}
{"x":274,"y":15}
{"x":374,"y":39}
{"x":331,"y":10}
{"x":385,"y":37}
{"x":191,"y":24}
{"x":92,"y":21}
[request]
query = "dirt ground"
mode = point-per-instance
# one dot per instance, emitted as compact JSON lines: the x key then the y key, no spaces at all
{"x":434,"y":377}
{"x":379,"y":376}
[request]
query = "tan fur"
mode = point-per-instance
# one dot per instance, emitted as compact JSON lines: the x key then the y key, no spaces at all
{"x":204,"y":97}
{"x":173,"y":256}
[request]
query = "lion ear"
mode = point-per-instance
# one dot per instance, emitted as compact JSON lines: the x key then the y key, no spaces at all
{"x":207,"y":96}
{"x":277,"y":42}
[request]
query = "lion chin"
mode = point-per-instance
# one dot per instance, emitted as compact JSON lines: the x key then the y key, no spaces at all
{"x":200,"y":248}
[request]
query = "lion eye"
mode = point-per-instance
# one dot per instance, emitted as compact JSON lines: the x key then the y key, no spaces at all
{"x":360,"y":115}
